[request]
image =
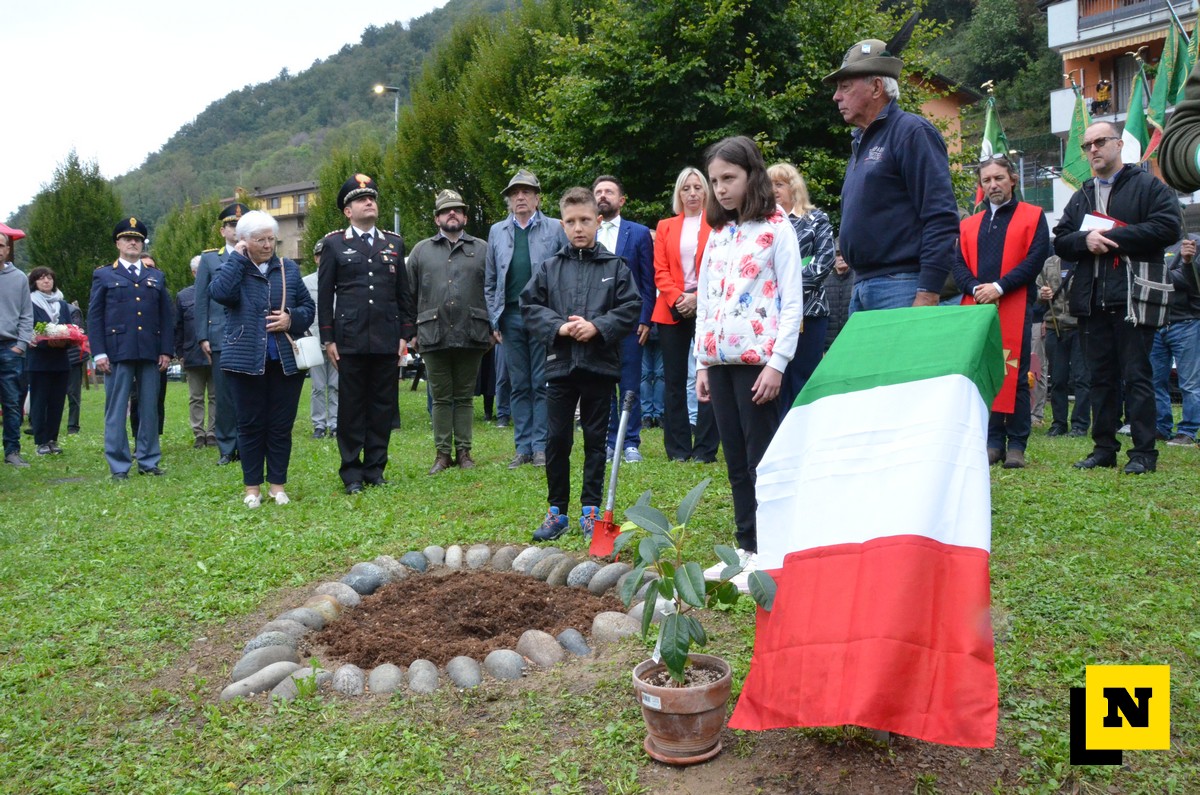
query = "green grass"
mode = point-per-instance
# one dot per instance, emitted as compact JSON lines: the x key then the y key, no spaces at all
{"x":105,"y":589}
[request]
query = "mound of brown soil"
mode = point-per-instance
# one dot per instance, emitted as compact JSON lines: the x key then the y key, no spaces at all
{"x":469,"y":613}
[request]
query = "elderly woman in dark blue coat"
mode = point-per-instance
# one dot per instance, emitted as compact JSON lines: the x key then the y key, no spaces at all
{"x":264,"y":298}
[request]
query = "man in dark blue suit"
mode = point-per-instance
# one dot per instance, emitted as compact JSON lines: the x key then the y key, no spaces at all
{"x":129,"y":328}
{"x":633,"y":243}
{"x":210,"y":332}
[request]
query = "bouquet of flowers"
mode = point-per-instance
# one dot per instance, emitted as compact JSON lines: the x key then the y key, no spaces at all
{"x":58,"y":335}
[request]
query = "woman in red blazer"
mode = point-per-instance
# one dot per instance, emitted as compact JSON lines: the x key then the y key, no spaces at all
{"x":678,"y":248}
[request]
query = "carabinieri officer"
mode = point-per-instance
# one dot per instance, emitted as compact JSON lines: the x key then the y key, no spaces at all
{"x":130,"y":330}
{"x":363,"y":268}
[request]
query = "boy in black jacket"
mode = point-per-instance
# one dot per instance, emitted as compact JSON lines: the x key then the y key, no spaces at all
{"x":581,"y":303}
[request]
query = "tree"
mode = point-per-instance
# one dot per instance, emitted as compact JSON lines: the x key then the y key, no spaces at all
{"x":324,"y":215}
{"x":70,"y":227}
{"x":182,"y":234}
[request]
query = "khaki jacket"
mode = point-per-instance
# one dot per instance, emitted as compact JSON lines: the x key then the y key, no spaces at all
{"x":447,"y":283}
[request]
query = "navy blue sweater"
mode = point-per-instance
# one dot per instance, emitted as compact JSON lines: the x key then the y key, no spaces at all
{"x":992,"y":233}
{"x":898,"y":208}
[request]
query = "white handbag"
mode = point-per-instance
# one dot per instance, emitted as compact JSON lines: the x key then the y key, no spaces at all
{"x":306,"y":350}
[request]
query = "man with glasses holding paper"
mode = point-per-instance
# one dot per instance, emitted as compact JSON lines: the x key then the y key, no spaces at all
{"x":1115,"y":229}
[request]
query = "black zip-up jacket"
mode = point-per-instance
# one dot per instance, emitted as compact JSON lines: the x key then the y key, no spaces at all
{"x":1152,"y":222}
{"x":590,"y":283}
{"x":1185,"y":301}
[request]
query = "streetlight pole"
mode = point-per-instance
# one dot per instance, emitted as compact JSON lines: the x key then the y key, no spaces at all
{"x":380,"y":88}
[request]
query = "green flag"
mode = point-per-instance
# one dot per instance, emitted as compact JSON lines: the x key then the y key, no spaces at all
{"x":995,"y":142}
{"x":1136,"y":134}
{"x":1076,"y":168}
{"x":1167,"y":81}
{"x":1188,"y":58}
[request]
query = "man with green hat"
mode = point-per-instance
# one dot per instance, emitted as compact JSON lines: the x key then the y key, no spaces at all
{"x":899,"y":216}
{"x":445,"y":273}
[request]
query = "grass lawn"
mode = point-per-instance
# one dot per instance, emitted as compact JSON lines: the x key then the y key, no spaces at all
{"x":123,"y":607}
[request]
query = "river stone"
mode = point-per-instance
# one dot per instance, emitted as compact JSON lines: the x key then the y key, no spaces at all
{"x":503,"y":559}
{"x":505,"y":664}
{"x":541,"y":648}
{"x":464,"y":672}
{"x":527,"y":558}
{"x":573,"y":641}
{"x":454,"y":557}
{"x":261,"y":680}
{"x":662,"y":608}
{"x":349,"y":680}
{"x":260,"y":658}
{"x":293,"y":629}
{"x":611,"y":626}
{"x":607,"y":577}
{"x":385,"y":679}
{"x":264,"y":639}
{"x":434,"y":554}
{"x":309,"y":618}
{"x":391,"y":566}
{"x":287,"y":689}
{"x":415,"y":560}
{"x":647,"y":578}
{"x":582,"y":574}
{"x":541,"y":570}
{"x":364,"y":584}
{"x":422,"y":676}
{"x":346,"y":596}
{"x":478,"y":556}
{"x":372,"y":570}
{"x":326,"y":605}
{"x":558,"y":575}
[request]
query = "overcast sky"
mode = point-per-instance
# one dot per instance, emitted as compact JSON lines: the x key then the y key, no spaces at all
{"x":116,"y":80}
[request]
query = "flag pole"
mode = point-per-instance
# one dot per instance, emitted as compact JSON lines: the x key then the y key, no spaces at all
{"x":1178,"y":22}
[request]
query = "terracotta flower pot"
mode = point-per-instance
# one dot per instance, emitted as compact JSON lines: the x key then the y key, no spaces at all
{"x":683,"y":724}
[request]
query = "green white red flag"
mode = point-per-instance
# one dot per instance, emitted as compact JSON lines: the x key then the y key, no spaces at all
{"x":875,"y":519}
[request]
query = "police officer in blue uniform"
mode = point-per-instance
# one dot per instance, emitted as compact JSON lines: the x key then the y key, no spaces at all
{"x":363,"y":268}
{"x":130,"y":331}
{"x":210,"y":331}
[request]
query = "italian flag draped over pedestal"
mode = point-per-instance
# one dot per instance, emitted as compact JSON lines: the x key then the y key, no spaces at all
{"x":874,"y":517}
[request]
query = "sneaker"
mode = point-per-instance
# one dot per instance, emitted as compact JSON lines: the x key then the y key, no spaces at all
{"x":502,"y":422}
{"x":1181,"y":440}
{"x":742,"y":580}
{"x":520,"y":459}
{"x":632,"y":456}
{"x":15,"y":460}
{"x":713,"y":573}
{"x":1125,"y":430}
{"x":539,"y":458}
{"x":587,"y":521}
{"x":552,"y":527}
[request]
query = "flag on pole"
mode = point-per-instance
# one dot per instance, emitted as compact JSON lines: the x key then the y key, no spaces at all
{"x":1187,"y":61}
{"x":994,"y":142}
{"x":875,"y":516}
{"x":1169,"y":78}
{"x":1076,"y":169}
{"x":1136,"y":135}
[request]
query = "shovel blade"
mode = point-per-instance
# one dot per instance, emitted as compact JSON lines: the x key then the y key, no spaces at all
{"x":604,"y":535}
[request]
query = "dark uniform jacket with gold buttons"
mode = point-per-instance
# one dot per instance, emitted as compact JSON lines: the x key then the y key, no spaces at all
{"x":130,"y":319}
{"x":374,"y":302}
{"x":447,"y":284}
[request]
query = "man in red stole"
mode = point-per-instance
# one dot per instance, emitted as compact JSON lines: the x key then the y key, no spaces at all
{"x":1000,"y":253}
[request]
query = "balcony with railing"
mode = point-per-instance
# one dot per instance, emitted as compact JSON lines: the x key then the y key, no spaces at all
{"x":1094,"y":13}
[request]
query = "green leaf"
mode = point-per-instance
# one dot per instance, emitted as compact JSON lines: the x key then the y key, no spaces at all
{"x":689,"y":581}
{"x":623,"y":539}
{"x":666,"y":568}
{"x":696,"y":630}
{"x":648,"y":550}
{"x":674,"y":640}
{"x":632,"y":583}
{"x":688,"y":506}
{"x":649,"y":518}
{"x":648,"y":611}
{"x":644,"y":499}
{"x":728,"y":555}
{"x":762,"y":589}
{"x":666,"y":587}
{"x":727,"y":593}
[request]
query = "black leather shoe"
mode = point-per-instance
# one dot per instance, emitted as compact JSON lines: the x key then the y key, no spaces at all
{"x":120,"y":476}
{"x":376,"y":482}
{"x":319,"y":433}
{"x":354,"y":488}
{"x":1139,"y":466}
{"x":1096,"y":460}
{"x":1056,"y":431}
{"x":224,"y":460}
{"x":151,"y":471}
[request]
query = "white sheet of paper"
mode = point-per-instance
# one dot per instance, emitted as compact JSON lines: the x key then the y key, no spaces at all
{"x":1092,"y":221}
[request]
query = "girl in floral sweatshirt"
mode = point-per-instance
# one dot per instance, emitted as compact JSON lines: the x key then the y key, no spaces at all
{"x":749,"y":305}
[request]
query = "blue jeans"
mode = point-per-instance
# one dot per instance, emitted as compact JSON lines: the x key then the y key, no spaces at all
{"x":652,"y":377}
{"x":1181,"y":341}
{"x":525,"y":359}
{"x":895,"y":291}
{"x":12,"y":364}
{"x":631,"y":381}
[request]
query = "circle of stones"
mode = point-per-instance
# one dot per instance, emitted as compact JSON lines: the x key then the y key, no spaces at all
{"x":271,"y":662}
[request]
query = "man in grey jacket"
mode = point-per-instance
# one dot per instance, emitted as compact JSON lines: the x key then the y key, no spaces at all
{"x":16,"y":331}
{"x":515,"y":247}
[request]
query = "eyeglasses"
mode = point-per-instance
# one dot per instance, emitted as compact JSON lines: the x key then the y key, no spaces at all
{"x":1000,"y":156}
{"x":1096,"y":143}
{"x":263,"y":241}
